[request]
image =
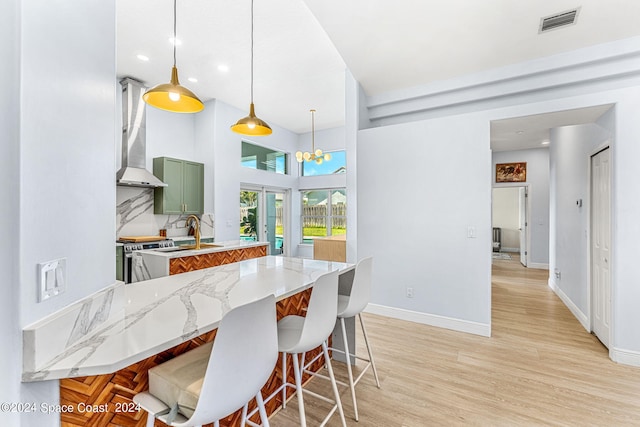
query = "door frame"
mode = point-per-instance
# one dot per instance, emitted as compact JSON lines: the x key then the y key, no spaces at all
{"x":527,"y":212}
{"x":262,"y":191}
{"x":608,"y":144}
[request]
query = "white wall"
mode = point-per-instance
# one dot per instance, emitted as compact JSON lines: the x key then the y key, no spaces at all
{"x":420,"y":186}
{"x":571,"y":148}
{"x":505,"y":214}
{"x":538,"y":183}
{"x":67,"y":161}
{"x":67,"y":156}
{"x":10,"y":357}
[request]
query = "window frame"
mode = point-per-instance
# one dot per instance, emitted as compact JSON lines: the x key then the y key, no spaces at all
{"x":270,"y":153}
{"x":328,"y":217}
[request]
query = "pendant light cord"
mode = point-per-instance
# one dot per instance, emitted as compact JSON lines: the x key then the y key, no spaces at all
{"x":175,"y":40}
{"x":252,"y":51}
{"x":313,"y":132}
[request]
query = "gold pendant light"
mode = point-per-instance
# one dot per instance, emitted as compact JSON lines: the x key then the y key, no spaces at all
{"x":314,"y":155}
{"x":252,"y":125}
{"x":172,"y":96}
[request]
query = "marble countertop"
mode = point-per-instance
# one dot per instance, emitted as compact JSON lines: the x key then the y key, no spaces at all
{"x":228,"y":245}
{"x":124,"y":324}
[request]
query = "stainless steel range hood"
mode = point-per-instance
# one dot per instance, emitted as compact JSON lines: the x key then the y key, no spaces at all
{"x":134,"y":145}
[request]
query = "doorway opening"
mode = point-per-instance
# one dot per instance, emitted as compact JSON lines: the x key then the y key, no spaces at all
{"x":510,"y":219}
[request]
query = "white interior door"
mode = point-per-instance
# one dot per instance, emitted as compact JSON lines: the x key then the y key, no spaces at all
{"x":522,"y":203}
{"x":600,"y":245}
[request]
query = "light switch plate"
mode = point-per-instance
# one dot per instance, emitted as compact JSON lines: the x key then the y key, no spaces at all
{"x":52,"y":278}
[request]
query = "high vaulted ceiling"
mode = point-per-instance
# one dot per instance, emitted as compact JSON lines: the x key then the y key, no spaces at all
{"x":302,"y":47}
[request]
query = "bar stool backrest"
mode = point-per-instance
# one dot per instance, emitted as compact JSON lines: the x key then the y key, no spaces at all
{"x":321,"y":312}
{"x":360,"y":289}
{"x":244,"y":354}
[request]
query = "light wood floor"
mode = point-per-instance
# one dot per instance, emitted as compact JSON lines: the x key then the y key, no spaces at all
{"x":540,"y":367}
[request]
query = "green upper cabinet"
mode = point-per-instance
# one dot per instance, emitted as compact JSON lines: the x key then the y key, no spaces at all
{"x":184,"y":193}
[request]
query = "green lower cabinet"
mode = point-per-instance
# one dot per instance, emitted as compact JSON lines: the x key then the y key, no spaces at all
{"x":184,"y":193}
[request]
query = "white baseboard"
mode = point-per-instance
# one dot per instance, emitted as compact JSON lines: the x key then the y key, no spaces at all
{"x":625,"y":357}
{"x":431,"y":319}
{"x":512,"y":250}
{"x":618,"y":355}
{"x":582,"y":318}
{"x":538,"y":265}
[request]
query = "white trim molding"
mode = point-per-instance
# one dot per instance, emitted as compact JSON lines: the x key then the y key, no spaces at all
{"x":538,"y":265}
{"x":459,"y":325}
{"x":582,"y":318}
{"x":625,"y":357}
{"x":569,"y":73}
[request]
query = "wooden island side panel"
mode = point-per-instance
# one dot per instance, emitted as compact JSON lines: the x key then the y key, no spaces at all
{"x":214,"y":259}
{"x":116,"y":390}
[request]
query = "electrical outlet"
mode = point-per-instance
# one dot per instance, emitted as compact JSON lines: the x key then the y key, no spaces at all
{"x":409,"y":292}
{"x":471,"y":232}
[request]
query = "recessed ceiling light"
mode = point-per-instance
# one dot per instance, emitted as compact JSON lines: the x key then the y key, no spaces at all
{"x":223,"y":68}
{"x":545,"y":142}
{"x":142,"y":57}
{"x":178,"y":42}
{"x":193,"y":80}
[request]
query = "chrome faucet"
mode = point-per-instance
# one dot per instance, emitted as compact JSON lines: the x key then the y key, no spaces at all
{"x":197,"y":232}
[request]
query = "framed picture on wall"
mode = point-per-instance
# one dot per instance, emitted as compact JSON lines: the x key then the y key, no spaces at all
{"x":511,"y":172}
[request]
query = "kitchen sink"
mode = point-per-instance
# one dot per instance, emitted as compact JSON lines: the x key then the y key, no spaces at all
{"x":202,"y":246}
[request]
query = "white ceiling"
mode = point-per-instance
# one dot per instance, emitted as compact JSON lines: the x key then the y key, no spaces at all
{"x":521,"y":133}
{"x":300,"y":45}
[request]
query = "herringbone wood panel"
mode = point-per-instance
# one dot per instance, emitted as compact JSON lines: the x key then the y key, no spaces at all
{"x":213,"y":259}
{"x":114,"y":392}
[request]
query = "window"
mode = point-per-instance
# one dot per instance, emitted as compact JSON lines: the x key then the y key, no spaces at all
{"x":262,"y":158}
{"x":324,"y":213}
{"x":337,"y":164}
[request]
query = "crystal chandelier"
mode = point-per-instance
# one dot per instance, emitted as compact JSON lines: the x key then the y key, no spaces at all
{"x":314,"y":155}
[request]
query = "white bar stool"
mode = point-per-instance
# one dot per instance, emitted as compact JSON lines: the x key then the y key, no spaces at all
{"x":297,"y":335}
{"x":214,"y":380}
{"x":350,"y":306}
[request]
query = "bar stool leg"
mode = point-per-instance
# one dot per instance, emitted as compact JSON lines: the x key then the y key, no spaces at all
{"x":366,"y":341}
{"x":296,"y":371}
{"x":284,"y":380}
{"x":243,"y":420}
{"x":349,"y":370}
{"x":325,"y":350}
{"x":263,"y":412}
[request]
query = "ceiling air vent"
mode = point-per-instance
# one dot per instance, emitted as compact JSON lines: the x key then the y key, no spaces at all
{"x":558,"y":20}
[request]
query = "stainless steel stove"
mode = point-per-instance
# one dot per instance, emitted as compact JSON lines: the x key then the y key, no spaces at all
{"x":129,"y":247}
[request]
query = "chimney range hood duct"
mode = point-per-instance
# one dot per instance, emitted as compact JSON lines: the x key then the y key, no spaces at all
{"x":134,"y":131}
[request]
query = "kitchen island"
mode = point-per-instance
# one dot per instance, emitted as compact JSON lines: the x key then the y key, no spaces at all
{"x":155,"y":263}
{"x":102,"y":347}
